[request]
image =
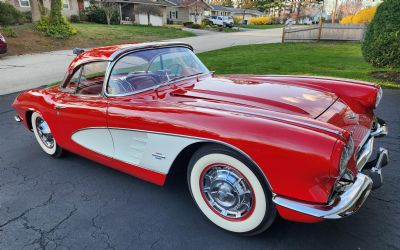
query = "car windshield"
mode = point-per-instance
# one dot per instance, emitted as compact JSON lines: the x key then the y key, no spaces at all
{"x":143,"y":70}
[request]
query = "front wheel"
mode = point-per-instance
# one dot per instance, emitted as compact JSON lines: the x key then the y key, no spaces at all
{"x":44,"y":136}
{"x":230,"y":191}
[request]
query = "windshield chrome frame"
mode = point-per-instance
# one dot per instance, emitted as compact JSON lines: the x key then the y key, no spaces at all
{"x":112,"y":64}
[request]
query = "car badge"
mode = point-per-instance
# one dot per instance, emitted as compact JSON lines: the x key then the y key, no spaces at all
{"x":352,"y":115}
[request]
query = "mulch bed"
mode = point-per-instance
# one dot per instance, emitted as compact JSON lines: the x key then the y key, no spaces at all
{"x":387,"y":75}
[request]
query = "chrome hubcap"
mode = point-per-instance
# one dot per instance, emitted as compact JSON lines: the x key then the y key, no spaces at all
{"x":227,"y":191}
{"x":44,"y":132}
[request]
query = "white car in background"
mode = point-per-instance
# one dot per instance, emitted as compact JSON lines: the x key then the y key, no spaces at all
{"x":225,"y":21}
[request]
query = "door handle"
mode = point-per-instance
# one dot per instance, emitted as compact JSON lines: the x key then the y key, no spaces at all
{"x":58,"y":107}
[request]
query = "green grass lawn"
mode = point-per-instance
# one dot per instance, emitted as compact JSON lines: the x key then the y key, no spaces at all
{"x":322,"y":59}
{"x":28,"y":40}
{"x":261,"y":26}
{"x":116,"y":33}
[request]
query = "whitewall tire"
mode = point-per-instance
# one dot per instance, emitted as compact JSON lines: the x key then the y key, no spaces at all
{"x":44,"y":136}
{"x":230,"y":191}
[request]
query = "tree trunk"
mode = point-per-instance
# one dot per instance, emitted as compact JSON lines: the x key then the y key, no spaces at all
{"x":148,"y":19}
{"x":298,"y":12}
{"x":35,"y":11}
{"x":334,"y":12}
{"x":56,"y":12}
{"x":108,"y":17}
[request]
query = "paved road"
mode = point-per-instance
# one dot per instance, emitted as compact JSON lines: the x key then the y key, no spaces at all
{"x":78,"y":204}
{"x":29,"y":71}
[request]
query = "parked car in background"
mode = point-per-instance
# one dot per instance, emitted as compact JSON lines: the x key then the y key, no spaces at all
{"x":225,"y":21}
{"x":3,"y":44}
{"x":253,"y":146}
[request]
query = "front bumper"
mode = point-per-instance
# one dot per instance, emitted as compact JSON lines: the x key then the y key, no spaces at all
{"x":353,"y":193}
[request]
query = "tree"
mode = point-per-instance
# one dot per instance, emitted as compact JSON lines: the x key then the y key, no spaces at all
{"x":35,"y":10}
{"x":227,"y":3}
{"x":381,"y":46}
{"x":245,"y":5}
{"x":56,"y":16}
{"x":196,"y":8}
{"x":349,"y":7}
{"x":305,"y":8}
{"x":149,"y":10}
{"x":109,"y":8}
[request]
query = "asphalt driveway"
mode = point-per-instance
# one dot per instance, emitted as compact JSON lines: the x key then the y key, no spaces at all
{"x":32,"y":70}
{"x":74,"y":203}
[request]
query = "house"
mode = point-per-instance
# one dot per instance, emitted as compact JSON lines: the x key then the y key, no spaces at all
{"x":187,"y":11}
{"x":70,"y":7}
{"x":245,"y":13}
{"x":133,"y":11}
{"x":218,"y":10}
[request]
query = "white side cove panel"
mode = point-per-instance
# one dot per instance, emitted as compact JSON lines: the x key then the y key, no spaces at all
{"x":152,"y":151}
{"x":97,"y":139}
{"x":148,"y":150}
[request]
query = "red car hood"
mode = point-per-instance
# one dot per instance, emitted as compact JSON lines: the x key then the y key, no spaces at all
{"x":259,"y":94}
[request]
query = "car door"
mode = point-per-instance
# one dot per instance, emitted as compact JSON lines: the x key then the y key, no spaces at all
{"x":136,"y":116}
{"x":81,"y":111}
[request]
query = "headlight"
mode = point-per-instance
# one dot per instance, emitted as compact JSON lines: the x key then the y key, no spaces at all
{"x":346,"y":155}
{"x":378,"y":97}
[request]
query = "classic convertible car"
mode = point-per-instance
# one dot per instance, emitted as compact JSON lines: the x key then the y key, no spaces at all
{"x":253,"y":146}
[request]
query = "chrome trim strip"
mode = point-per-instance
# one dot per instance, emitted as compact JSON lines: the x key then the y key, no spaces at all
{"x":343,"y":205}
{"x":146,"y":46}
{"x":132,"y":50}
{"x":192,"y":137}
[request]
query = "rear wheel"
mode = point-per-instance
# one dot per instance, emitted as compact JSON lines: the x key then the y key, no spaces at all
{"x":44,"y":136}
{"x":230,"y":191}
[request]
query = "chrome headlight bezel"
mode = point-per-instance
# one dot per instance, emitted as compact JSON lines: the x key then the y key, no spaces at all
{"x":379,"y":95}
{"x":347,"y":152}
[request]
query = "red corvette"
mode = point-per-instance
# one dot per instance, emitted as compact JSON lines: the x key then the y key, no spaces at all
{"x":253,"y":146}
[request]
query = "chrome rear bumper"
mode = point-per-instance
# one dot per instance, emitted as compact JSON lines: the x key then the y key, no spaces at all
{"x":353,"y":194}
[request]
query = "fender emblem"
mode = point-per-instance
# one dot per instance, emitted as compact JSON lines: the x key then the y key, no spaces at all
{"x":158,"y":156}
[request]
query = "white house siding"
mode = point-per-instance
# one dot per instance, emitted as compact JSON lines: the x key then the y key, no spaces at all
{"x":154,"y":20}
{"x":186,"y":14}
{"x":72,"y":10}
{"x":177,"y":15}
{"x":141,"y":18}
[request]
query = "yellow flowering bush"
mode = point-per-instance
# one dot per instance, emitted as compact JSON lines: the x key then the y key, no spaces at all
{"x":364,"y":16}
{"x":260,"y":20}
{"x":237,"y":19}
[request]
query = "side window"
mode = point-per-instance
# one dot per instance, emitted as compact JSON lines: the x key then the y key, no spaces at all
{"x":92,"y":78}
{"x":73,"y":82}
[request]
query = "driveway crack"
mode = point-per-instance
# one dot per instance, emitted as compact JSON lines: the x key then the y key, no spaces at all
{"x":48,"y":201}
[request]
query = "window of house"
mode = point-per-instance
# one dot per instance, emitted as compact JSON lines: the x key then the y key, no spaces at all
{"x":66,"y":4}
{"x":24,"y":3}
{"x":173,"y":14}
